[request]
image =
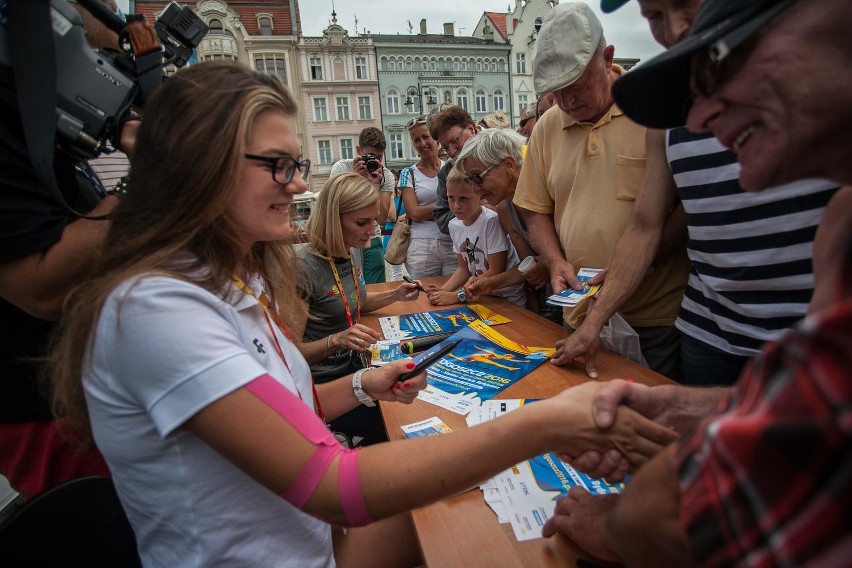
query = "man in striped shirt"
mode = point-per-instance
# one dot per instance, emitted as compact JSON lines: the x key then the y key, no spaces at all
{"x":751,"y":275}
{"x":766,"y":478}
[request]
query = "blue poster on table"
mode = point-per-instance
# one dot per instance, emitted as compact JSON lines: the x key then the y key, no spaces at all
{"x":482,"y":365}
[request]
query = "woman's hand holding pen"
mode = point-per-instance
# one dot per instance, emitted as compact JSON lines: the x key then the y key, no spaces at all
{"x":409,"y":290}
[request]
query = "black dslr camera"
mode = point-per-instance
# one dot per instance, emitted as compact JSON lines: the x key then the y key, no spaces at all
{"x":97,"y":88}
{"x":371,"y":161}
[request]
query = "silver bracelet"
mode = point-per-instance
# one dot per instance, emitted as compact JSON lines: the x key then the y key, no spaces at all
{"x":359,"y":391}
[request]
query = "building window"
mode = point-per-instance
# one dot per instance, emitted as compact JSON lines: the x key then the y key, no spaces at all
{"x":461,"y":98}
{"x":271,"y":64}
{"x":265,"y":24}
{"x":324,"y":151}
{"x":392,"y":64}
{"x":316,"y":68}
{"x":216,"y":27}
{"x":480,"y":101}
{"x":320,"y":110}
{"x":522,"y":102}
{"x":395,"y":143}
{"x":342,"y":108}
{"x":361,"y":68}
{"x":521,"y":63}
{"x":478,"y":65}
{"x":346,"y":152}
{"x":365,"y":108}
{"x":393,"y":101}
{"x":499,"y":100}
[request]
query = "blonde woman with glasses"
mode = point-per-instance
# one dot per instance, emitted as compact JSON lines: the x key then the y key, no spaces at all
{"x":430,"y":252}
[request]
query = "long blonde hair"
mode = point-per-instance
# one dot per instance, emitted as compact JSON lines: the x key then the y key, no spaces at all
{"x":175,"y":220}
{"x":341,"y":194}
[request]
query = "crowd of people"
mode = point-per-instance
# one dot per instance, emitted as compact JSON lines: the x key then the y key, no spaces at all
{"x":217,"y":371}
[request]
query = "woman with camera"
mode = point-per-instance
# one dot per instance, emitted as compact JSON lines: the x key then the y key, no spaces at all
{"x":176,"y":358}
{"x":331,"y":284}
{"x":430,"y":252}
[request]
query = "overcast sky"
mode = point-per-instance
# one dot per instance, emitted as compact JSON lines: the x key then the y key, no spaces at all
{"x":625,"y":28}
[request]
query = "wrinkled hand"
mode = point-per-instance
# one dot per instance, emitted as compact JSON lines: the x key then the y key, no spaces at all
{"x":582,"y":518}
{"x":649,"y":402}
{"x":563,"y":276}
{"x":584,"y":342}
{"x":381,"y":383}
{"x":359,"y":337}
{"x":477,"y":286}
{"x":631,"y":434}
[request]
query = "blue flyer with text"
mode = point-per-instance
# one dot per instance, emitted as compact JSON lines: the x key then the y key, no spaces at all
{"x":482,"y":365}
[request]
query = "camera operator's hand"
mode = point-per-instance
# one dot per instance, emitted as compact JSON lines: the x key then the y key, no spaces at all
{"x":129,"y":130}
{"x":363,"y":168}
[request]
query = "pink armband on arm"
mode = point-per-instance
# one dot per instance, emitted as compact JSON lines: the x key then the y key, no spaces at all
{"x":307,"y":423}
{"x":351,"y":494}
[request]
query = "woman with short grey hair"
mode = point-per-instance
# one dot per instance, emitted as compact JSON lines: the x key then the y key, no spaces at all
{"x":492,"y":160}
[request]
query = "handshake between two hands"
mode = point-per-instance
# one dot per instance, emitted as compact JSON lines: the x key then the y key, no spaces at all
{"x":614,"y":427}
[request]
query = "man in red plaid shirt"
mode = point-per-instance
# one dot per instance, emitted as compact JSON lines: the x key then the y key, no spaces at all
{"x":762,"y":475}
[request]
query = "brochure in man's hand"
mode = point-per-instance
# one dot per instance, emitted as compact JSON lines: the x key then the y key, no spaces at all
{"x":570,"y":297}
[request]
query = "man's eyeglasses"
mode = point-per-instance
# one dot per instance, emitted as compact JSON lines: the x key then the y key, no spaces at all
{"x":724,"y":57}
{"x":415,"y":121}
{"x":480,"y":177}
{"x":283,"y":167}
{"x":524,"y":121}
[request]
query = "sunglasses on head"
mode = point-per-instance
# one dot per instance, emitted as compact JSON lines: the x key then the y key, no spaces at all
{"x":524,"y":121}
{"x":415,"y":121}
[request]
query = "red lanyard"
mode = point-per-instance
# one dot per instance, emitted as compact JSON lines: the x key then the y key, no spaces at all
{"x":263,"y":302}
{"x":343,"y":292}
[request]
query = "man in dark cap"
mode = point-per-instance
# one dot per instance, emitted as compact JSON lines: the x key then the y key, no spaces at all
{"x":766,"y":479}
{"x":751,"y":271}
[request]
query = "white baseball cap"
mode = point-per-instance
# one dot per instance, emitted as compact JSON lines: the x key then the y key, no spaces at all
{"x":569,"y":36}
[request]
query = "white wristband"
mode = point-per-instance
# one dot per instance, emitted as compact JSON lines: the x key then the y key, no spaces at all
{"x":359,"y":391}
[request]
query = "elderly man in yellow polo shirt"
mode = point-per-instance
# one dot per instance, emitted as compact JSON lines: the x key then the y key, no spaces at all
{"x":581,"y":174}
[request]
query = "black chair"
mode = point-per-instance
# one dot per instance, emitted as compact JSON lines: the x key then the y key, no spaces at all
{"x":79,"y":523}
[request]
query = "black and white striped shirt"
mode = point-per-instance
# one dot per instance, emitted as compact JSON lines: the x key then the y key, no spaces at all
{"x":751,"y":252}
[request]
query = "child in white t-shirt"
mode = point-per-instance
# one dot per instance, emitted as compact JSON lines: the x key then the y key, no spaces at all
{"x":480,"y":243}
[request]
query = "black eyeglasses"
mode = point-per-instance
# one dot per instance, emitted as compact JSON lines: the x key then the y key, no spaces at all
{"x":480,"y":177}
{"x":283,"y":167}
{"x":524,"y":121}
{"x":415,"y":121}
{"x":725,"y":56}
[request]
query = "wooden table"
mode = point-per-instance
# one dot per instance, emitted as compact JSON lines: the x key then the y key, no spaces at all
{"x":462,"y":531}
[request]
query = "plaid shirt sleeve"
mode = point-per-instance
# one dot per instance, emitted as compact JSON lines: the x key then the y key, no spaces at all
{"x":768,"y":482}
